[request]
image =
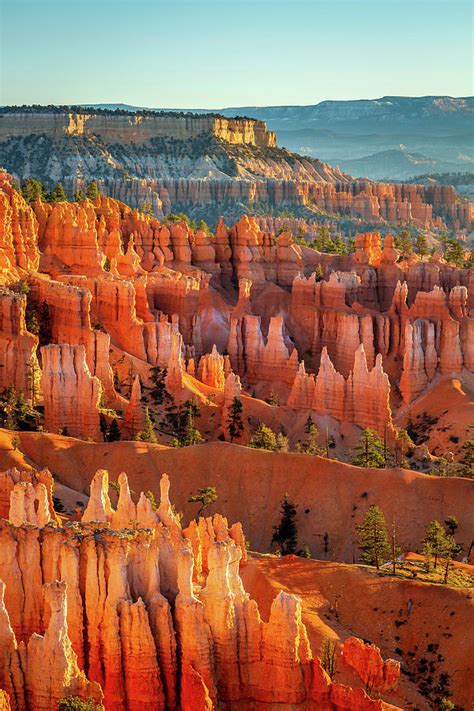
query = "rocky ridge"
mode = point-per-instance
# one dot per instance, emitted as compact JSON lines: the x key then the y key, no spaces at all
{"x":191,"y":162}
{"x":126,"y":292}
{"x":157,"y":619}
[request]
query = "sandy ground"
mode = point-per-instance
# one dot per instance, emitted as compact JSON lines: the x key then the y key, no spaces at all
{"x":404,"y":618}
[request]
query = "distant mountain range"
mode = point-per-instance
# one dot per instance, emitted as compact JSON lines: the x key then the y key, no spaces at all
{"x":394,"y":137}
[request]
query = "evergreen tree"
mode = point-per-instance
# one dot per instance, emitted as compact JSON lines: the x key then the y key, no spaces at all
{"x":449,"y":551}
{"x":403,"y":442}
{"x":310,"y":444}
{"x":373,"y":539}
{"x":92,"y":191}
{"x":434,"y":542}
{"x":235,"y":425}
{"x":191,"y":433}
{"x":404,"y":242}
{"x":159,"y":392}
{"x":286,"y":534}
{"x":79,"y":196}
{"x":45,"y":332}
{"x":205,"y":497}
{"x":369,"y":451}
{"x":421,"y":245}
{"x":114,"y":432}
{"x":452,"y":524}
{"x":57,"y":194}
{"x":33,"y":190}
{"x":328,"y":656}
{"x":454,"y":253}
{"x":264,"y":438}
{"x":148,"y":433}
{"x":104,"y":428}
{"x":281,"y":442}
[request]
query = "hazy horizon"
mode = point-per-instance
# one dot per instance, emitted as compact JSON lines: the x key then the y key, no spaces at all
{"x":215,"y":54}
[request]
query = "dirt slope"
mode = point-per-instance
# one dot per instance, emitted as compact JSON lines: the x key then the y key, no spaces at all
{"x":331,"y":496}
{"x":404,"y":618}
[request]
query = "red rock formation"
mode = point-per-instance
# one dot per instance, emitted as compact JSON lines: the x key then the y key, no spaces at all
{"x":134,"y":414}
{"x":211,"y":369}
{"x":17,"y":347}
{"x":215,"y":650}
{"x":364,"y":399}
{"x":71,"y":395}
{"x":23,"y":673}
{"x":67,"y":238}
{"x":18,"y":234}
{"x":376,"y":674}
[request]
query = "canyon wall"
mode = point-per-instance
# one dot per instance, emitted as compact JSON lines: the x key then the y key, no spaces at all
{"x":158,"y":618}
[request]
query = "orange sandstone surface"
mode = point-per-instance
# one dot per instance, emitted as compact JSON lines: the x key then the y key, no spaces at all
{"x":155,"y":616}
{"x":132,"y":610}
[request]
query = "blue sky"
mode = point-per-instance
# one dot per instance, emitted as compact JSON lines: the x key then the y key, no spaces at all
{"x":218,"y":53}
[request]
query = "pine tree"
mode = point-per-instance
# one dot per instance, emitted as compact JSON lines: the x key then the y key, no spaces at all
{"x":33,"y":190}
{"x":403,"y":442}
{"x":45,"y":332}
{"x":57,"y":194}
{"x":286,"y":533}
{"x":310,"y":444}
{"x":421,"y":245}
{"x":205,"y":497}
{"x":114,"y":432}
{"x":369,"y":451}
{"x":92,"y":191}
{"x":373,"y":539}
{"x":191,"y":433}
{"x":264,"y":438}
{"x":148,"y":433}
{"x":159,"y":392}
{"x":235,"y":425}
{"x":281,"y":442}
{"x":434,"y":542}
{"x":104,"y":427}
{"x":451,"y":524}
{"x":79,"y":196}
{"x":328,"y":656}
{"x":449,"y":551}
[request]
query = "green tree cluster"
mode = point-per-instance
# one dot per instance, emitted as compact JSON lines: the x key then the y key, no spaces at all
{"x":16,"y":413}
{"x":179,"y":421}
{"x":370,"y":451}
{"x":265,"y":438}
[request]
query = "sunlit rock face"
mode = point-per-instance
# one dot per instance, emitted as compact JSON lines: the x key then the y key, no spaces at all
{"x":133,"y":612}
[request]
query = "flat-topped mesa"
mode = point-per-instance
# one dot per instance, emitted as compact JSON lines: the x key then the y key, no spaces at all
{"x":18,"y":233}
{"x":137,"y":128}
{"x":363,"y":399}
{"x":67,"y":238}
{"x":17,"y":346}
{"x":71,"y":395}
